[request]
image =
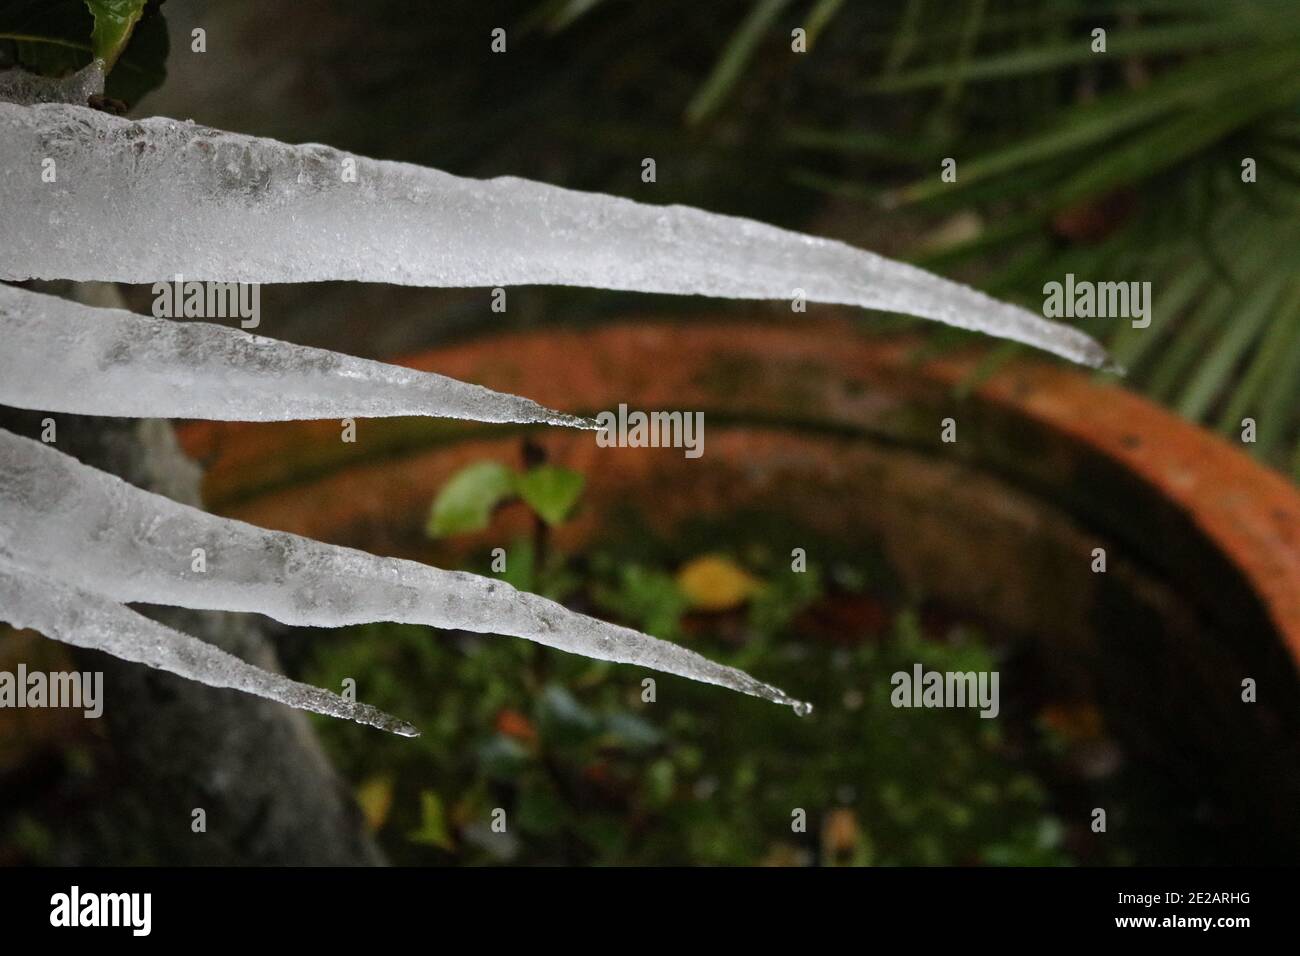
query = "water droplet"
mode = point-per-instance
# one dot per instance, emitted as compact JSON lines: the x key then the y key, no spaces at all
{"x":801,"y":708}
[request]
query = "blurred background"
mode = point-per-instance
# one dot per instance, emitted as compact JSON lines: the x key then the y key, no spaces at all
{"x":828,"y":537}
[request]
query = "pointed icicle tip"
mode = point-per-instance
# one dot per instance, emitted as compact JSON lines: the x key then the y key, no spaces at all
{"x":102,"y":548}
{"x":63,"y":356}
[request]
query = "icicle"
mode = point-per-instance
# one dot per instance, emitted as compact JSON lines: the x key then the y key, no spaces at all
{"x":80,"y":525}
{"x":61,"y":356}
{"x":89,"y":620}
{"x":19,"y":86}
{"x":142,"y":201}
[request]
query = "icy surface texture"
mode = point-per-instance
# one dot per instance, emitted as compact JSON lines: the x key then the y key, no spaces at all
{"x":90,"y":620}
{"x":99,"y":534}
{"x":61,"y":356}
{"x":19,"y":86}
{"x":143,"y":201}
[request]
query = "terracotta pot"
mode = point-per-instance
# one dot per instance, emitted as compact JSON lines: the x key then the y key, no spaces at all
{"x":839,"y":435}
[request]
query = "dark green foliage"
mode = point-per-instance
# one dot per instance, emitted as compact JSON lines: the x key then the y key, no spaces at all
{"x":587,"y":771}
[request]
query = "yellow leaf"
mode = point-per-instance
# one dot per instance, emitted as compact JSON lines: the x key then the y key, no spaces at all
{"x":843,"y":841}
{"x":375,"y":797}
{"x":713,"y":582}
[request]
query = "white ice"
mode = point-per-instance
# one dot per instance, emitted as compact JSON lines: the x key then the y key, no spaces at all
{"x":73,"y":523}
{"x":143,"y":201}
{"x":19,"y":86}
{"x":61,"y":356}
{"x":90,"y":620}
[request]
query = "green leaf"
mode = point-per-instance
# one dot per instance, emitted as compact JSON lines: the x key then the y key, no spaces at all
{"x":49,"y":37}
{"x":1250,"y":315}
{"x":467,"y":501}
{"x":1176,"y":38}
{"x":551,"y":491}
{"x":1282,"y":339}
{"x":1076,"y":130}
{"x":142,"y":66}
{"x":1171,"y":142}
{"x":1193,"y":340}
{"x":58,"y":37}
{"x":733,"y":59}
{"x":563,"y":13}
{"x":821,"y":15}
{"x":114,"y":21}
{"x":1277,"y":405}
{"x":433,"y":823}
{"x":1131,"y":346}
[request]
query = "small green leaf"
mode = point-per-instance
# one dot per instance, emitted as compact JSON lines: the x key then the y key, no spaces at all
{"x":114,"y":21}
{"x":433,"y":823}
{"x":551,"y":491}
{"x":467,"y":501}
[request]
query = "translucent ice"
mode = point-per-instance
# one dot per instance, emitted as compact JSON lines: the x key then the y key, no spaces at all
{"x":90,"y":620}
{"x":142,"y":201}
{"x":61,"y":356}
{"x":19,"y":86}
{"x":99,"y":534}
